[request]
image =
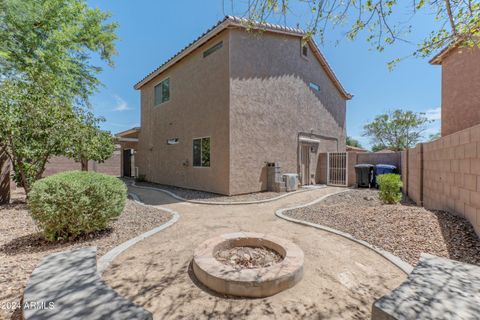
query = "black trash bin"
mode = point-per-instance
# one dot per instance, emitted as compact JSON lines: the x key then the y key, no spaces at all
{"x":364,"y":173}
{"x":382,"y":169}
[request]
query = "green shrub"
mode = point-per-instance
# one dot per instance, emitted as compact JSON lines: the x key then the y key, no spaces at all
{"x":390,"y":185}
{"x":71,"y":203}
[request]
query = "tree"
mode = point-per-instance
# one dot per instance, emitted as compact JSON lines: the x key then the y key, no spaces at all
{"x":378,"y":147}
{"x":434,"y":136}
{"x":353,"y":142}
{"x":47,"y":77}
{"x":455,"y":20}
{"x":89,"y":142}
{"x":396,"y":130}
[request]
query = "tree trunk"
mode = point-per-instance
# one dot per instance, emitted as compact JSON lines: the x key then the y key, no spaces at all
{"x":84,"y":164}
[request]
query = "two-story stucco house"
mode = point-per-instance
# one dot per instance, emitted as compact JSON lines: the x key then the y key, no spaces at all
{"x":236,"y":98}
{"x":460,"y":87}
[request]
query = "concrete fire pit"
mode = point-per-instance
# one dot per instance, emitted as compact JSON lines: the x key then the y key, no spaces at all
{"x":248,"y":282}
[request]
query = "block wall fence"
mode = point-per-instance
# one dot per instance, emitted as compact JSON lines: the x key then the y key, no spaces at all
{"x":445,"y":174}
{"x":354,"y":158}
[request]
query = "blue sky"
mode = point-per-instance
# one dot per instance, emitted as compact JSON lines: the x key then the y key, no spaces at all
{"x":152,"y":31}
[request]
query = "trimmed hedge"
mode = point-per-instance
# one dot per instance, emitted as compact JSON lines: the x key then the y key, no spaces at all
{"x":390,"y":185}
{"x":72,"y":203}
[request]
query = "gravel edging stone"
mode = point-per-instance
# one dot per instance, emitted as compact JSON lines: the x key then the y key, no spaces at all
{"x":176,"y":196}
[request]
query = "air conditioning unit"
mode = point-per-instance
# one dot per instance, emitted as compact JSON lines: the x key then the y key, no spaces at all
{"x":291,"y":181}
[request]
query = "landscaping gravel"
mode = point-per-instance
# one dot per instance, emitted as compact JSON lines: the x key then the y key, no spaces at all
{"x":190,"y":194}
{"x":405,"y":230}
{"x":22,"y":246}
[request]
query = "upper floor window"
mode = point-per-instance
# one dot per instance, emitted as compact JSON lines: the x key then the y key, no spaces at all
{"x":211,"y":50}
{"x":162,"y":92}
{"x":314,"y":86}
{"x":305,"y":50}
{"x":201,"y":152}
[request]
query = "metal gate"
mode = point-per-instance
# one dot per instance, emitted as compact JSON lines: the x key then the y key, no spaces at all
{"x":337,"y":169}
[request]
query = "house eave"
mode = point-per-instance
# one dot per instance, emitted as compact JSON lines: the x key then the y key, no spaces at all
{"x":235,"y":22}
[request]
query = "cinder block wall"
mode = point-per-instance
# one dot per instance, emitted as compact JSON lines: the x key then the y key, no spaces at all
{"x":380,"y":158}
{"x":445,"y":174}
{"x":414,"y":167}
{"x":355,"y":158}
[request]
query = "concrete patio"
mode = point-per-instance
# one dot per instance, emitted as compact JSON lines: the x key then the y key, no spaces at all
{"x":342,"y":278}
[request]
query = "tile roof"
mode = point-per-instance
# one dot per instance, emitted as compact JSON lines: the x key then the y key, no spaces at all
{"x":229,"y":21}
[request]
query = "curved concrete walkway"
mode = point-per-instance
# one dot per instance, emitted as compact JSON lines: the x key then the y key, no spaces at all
{"x":341,"y":281}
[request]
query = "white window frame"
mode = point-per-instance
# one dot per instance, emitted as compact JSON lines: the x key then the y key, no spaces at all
{"x":193,"y":160}
{"x":169,"y":91}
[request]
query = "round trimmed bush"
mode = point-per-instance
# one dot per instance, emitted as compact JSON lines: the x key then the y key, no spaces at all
{"x":71,"y":203}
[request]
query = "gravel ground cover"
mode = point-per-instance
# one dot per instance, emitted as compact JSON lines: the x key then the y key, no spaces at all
{"x":190,"y":194}
{"x":248,"y":257}
{"x":405,"y":230}
{"x":22,"y":246}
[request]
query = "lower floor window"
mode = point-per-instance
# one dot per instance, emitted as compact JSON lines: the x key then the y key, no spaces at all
{"x":201,"y":152}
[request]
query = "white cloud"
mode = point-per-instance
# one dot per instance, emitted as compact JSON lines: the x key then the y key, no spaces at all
{"x":121,"y":105}
{"x":434,"y":114}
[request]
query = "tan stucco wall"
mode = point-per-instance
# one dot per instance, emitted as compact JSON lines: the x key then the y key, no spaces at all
{"x":460,"y":90}
{"x":271,"y":104}
{"x":198,"y":107}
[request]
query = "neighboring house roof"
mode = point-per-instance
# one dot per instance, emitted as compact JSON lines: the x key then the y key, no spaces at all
{"x":352,"y":148}
{"x":438,"y":58}
{"x":128,"y":135}
{"x":128,"y":132}
{"x":231,"y":21}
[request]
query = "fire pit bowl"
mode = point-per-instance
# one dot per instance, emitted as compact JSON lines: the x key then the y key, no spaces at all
{"x":247,"y":279}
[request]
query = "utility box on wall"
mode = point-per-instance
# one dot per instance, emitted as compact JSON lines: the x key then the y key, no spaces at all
{"x":274,"y":177}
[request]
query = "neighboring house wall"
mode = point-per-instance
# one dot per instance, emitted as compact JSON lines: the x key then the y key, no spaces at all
{"x":198,"y":107}
{"x":460,"y":90}
{"x":271,"y":104}
{"x":445,"y":174}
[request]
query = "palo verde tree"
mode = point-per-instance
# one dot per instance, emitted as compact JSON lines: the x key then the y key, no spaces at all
{"x":396,"y":130}
{"x":385,"y":22}
{"x":46,"y":77}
